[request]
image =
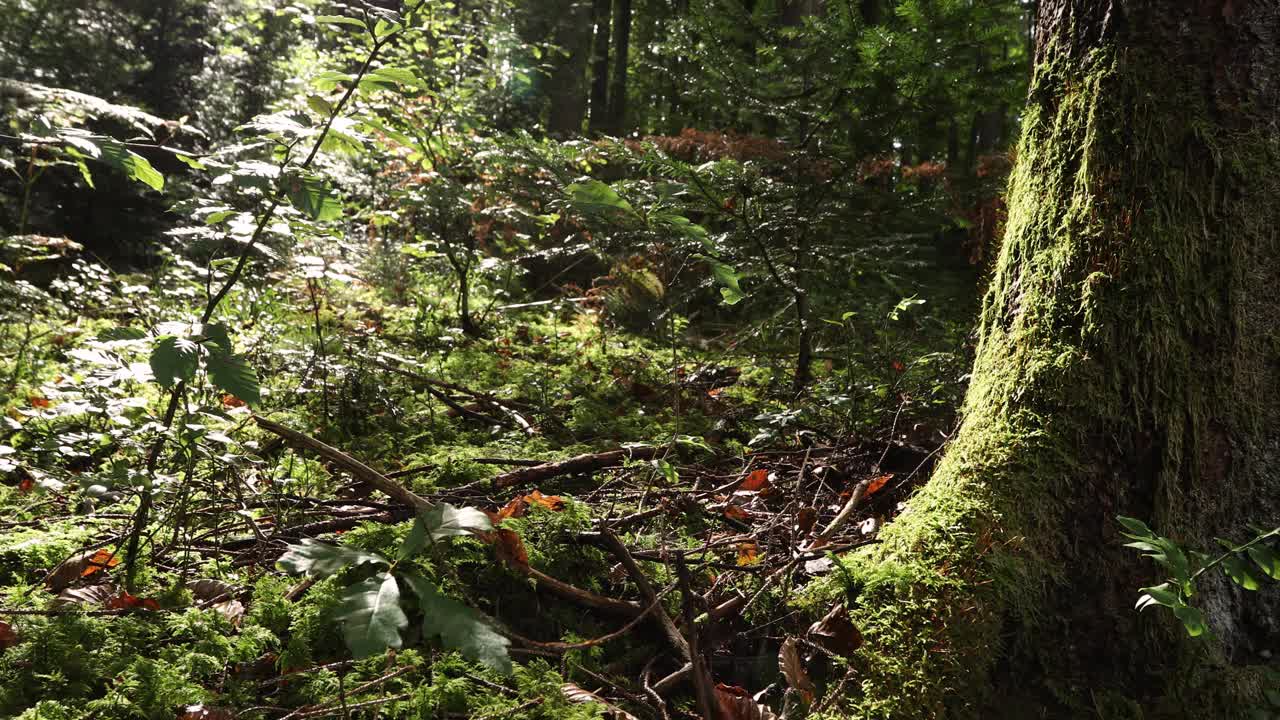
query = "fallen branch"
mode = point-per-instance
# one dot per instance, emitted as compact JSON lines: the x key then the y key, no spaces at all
{"x":573,"y":465}
{"x":365,"y":473}
{"x":565,"y":647}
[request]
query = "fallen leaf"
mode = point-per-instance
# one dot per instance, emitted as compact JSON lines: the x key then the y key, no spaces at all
{"x":878,"y":483}
{"x":805,"y":520}
{"x":550,"y":502}
{"x":125,"y":601}
{"x":37,"y":401}
{"x":92,"y":595}
{"x":792,"y":668}
{"x":735,"y":512}
{"x":232,"y":401}
{"x":748,"y":554}
{"x":836,"y":632}
{"x":737,"y":704}
{"x":100,"y":560}
{"x":8,"y":636}
{"x":757,"y":480}
{"x":68,"y":571}
{"x":818,"y":566}
{"x":576,"y":694}
{"x":898,"y":366}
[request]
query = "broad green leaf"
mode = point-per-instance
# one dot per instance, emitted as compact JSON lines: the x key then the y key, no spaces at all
{"x":330,"y":79}
{"x":371,"y":616}
{"x":320,"y":559}
{"x":322,"y":107}
{"x":1240,"y":572}
{"x":174,"y":360}
{"x":460,"y":627}
{"x":726,"y":276}
{"x":398,"y":76}
{"x":315,"y":199}
{"x":1162,"y":594}
{"x":384,"y":28}
{"x":234,"y":374}
{"x":1267,"y":559}
{"x":595,"y":195}
{"x":341,"y":20}
{"x":1136,"y":528}
{"x":131,"y":164}
{"x":214,"y":334}
{"x":445,"y":520}
{"x":1192,"y":619}
{"x":121,"y":333}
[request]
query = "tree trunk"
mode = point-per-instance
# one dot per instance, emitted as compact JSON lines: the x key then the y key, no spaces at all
{"x":600,"y":12}
{"x":1127,"y":364}
{"x":618,"y":83}
{"x":568,"y":82}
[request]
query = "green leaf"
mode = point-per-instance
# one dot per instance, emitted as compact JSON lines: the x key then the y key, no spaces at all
{"x":1192,"y":619}
{"x":341,"y":20}
{"x":1266,"y":559}
{"x":234,"y":374}
{"x":320,"y":559}
{"x":598,"y":196}
{"x":1162,"y":594}
{"x":398,"y":76}
{"x":131,"y":164}
{"x":315,"y":199}
{"x":322,"y":107}
{"x":121,"y":333}
{"x":174,"y":360}
{"x":460,"y":627}
{"x":1240,"y":572}
{"x":1136,"y":528}
{"x":371,"y":616}
{"x":445,"y":520}
{"x":330,"y":79}
{"x":726,"y":276}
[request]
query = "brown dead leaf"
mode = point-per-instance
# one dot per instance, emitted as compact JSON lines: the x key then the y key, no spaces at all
{"x":576,"y":694}
{"x":737,"y":704}
{"x":748,"y":554}
{"x":8,"y":636}
{"x":757,"y":480}
{"x":92,"y":595}
{"x":509,"y":548}
{"x":792,"y":668}
{"x":232,"y":401}
{"x":836,"y":632}
{"x":67,"y":572}
{"x":37,"y":401}
{"x":805,"y":520}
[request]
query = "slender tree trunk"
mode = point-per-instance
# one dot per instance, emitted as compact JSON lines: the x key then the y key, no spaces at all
{"x":600,"y":12}
{"x":1127,"y":364}
{"x":618,"y":83}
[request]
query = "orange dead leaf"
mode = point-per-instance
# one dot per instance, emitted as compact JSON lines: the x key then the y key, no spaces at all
{"x":37,"y":401}
{"x":878,"y":483}
{"x":100,"y":560}
{"x":550,"y":502}
{"x":757,"y":480}
{"x":898,"y":366}
{"x":748,"y":554}
{"x":232,"y":401}
{"x":125,"y":601}
{"x":513,"y":509}
{"x":27,"y":483}
{"x":734,"y":512}
{"x":510,"y":548}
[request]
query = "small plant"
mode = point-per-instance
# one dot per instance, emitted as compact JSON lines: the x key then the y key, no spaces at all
{"x":1247,"y":565}
{"x":370,"y":612}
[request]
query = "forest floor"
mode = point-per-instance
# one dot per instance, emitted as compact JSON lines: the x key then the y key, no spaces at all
{"x":704,"y":492}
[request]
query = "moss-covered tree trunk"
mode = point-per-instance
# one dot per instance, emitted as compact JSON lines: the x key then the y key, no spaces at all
{"x":1128,"y":363}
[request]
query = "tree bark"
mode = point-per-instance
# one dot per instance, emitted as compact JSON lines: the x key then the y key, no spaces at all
{"x":1127,"y":364}
{"x":600,"y":66}
{"x":568,"y":82}
{"x":618,"y":82}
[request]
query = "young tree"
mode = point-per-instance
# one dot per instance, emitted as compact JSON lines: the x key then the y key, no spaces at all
{"x":1127,"y":364}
